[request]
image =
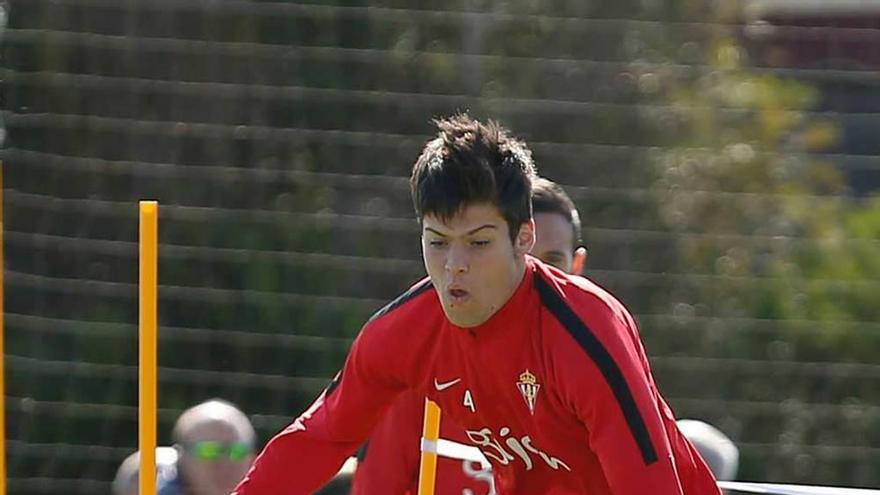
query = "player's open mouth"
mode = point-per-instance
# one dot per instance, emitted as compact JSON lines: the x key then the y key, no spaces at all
{"x":458,"y":295}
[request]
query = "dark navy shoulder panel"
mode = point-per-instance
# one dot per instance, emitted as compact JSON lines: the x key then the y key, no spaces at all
{"x":412,"y":293}
{"x":599,"y":354}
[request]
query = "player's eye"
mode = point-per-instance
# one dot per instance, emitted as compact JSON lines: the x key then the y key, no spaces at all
{"x":436,"y":243}
{"x":480,"y":243}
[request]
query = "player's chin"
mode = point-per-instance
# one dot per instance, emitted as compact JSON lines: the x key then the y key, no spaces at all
{"x":464,"y":317}
{"x":455,"y":314}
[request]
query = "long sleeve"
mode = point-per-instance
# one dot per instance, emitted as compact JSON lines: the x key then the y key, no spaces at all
{"x":390,"y":461}
{"x":606,"y":380}
{"x":310,"y":451}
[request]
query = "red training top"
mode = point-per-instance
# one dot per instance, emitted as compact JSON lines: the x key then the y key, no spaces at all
{"x":389,"y":463}
{"x":555,"y":390}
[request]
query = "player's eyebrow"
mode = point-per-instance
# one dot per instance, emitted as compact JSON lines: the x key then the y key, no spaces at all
{"x":470,"y":232}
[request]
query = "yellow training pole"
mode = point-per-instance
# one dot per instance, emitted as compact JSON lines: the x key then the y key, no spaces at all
{"x":147,"y":300}
{"x":430,"y":435}
{"x":2,"y":354}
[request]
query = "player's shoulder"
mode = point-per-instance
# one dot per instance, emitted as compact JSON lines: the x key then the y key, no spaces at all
{"x":416,"y":304}
{"x":563,"y":292}
{"x":390,"y":343}
{"x":588,"y":315}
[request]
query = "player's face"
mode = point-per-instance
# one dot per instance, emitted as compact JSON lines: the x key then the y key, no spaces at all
{"x":211,"y":465}
{"x":472,"y":262}
{"x":554,"y":239}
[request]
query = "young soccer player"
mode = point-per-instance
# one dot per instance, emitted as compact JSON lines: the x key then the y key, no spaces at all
{"x":389,"y":462}
{"x":545,"y":371}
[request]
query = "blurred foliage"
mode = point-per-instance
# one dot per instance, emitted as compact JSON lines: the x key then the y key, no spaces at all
{"x":774,"y":224}
{"x":745,"y":180}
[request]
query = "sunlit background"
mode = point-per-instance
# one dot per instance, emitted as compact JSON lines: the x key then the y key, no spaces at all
{"x":722,"y":155}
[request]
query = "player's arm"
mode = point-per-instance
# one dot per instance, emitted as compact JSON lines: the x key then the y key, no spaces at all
{"x":310,"y":451}
{"x":389,"y":463}
{"x":605,"y":380}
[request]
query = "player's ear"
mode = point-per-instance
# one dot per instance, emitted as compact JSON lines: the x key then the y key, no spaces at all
{"x":525,"y":238}
{"x":579,"y":260}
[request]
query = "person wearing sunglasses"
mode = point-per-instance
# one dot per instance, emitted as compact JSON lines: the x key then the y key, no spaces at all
{"x":215,"y":445}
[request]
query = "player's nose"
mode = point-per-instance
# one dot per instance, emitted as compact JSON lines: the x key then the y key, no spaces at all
{"x":457,"y":260}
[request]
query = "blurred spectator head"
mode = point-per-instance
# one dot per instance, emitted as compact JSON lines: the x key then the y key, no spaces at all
{"x":126,"y":480}
{"x":215,"y":441}
{"x":714,"y":447}
{"x":557,"y":228}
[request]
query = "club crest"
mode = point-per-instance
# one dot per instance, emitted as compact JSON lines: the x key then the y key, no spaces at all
{"x":528,"y":386}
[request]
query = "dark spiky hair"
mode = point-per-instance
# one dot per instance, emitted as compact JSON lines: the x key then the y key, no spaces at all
{"x":470,"y":162}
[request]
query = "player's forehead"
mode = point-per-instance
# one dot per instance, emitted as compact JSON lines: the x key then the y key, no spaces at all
{"x":213,"y":429}
{"x":553,"y":229}
{"x":473,"y":217}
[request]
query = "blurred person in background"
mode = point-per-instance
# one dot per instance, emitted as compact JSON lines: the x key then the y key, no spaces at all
{"x":545,"y":370}
{"x":716,"y":448}
{"x":215,"y":444}
{"x":389,"y":463}
{"x":558,"y":239}
{"x":127,"y":478}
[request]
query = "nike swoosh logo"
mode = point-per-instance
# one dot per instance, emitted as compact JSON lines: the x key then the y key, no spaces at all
{"x":443,"y":386}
